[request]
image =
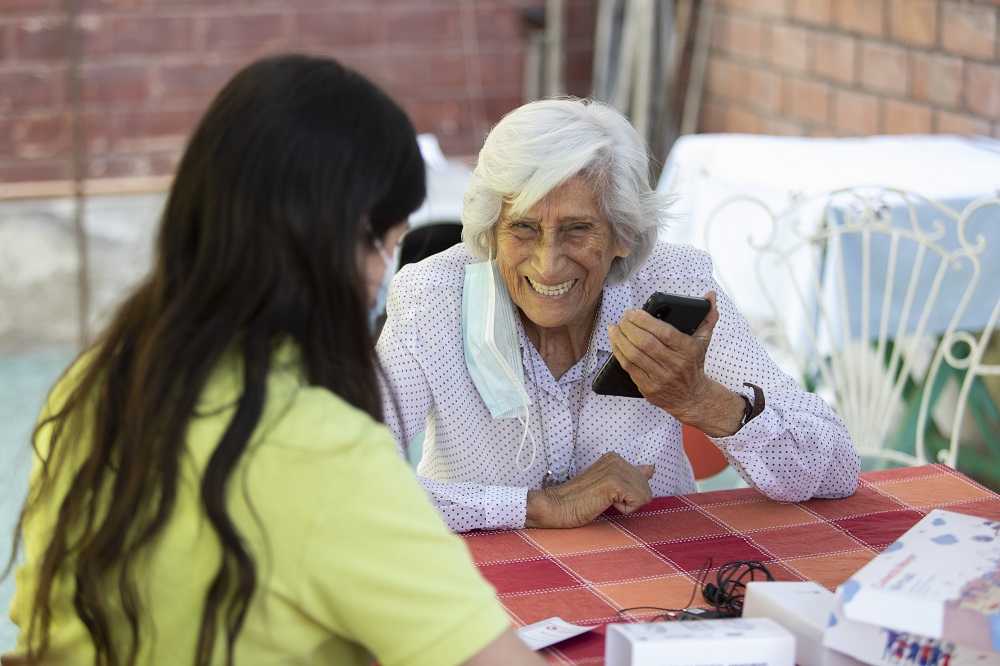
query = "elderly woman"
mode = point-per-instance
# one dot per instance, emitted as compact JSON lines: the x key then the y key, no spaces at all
{"x":490,"y":348}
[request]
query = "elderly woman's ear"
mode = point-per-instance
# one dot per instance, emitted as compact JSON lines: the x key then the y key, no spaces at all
{"x":622,"y":250}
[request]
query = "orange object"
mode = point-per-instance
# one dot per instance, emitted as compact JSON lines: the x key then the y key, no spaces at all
{"x":706,"y":459}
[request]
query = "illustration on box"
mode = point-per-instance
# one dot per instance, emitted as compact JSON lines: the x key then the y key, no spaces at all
{"x":937,"y":588}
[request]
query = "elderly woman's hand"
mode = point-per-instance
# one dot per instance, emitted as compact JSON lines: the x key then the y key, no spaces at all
{"x":611,"y":480}
{"x":669,"y":369}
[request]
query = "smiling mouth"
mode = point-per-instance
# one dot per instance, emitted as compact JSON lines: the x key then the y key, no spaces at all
{"x":553,"y":290}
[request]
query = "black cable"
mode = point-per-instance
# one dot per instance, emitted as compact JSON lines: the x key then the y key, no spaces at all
{"x":730,"y":587}
{"x":726,"y":594}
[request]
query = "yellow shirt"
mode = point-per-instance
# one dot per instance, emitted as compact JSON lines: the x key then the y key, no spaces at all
{"x":351,"y":558}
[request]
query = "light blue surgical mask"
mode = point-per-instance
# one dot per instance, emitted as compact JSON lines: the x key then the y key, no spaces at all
{"x":375,"y":311}
{"x":492,"y":351}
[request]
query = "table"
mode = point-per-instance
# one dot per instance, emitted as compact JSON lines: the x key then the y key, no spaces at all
{"x":652,"y":557}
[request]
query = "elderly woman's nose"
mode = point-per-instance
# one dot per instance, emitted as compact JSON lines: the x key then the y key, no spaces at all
{"x":549,"y":255}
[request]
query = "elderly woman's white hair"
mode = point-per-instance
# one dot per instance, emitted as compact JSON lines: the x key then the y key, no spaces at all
{"x":539,"y":146}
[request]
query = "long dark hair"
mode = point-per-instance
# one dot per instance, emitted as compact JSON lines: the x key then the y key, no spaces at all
{"x":297,"y":164}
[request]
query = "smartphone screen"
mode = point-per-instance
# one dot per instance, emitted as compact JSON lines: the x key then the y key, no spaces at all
{"x":685,"y":313}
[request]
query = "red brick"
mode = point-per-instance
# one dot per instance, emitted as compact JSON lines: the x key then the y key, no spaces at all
{"x":711,"y":118}
{"x":503,"y":65}
{"x":200,"y":80}
{"x":983,"y":91}
{"x":109,"y":83}
{"x":336,"y":28}
{"x":914,"y":21}
{"x":97,"y":130}
{"x":93,"y":37}
{"x":128,"y":34}
{"x":6,"y":138}
{"x":256,"y":33}
{"x":578,"y":70}
{"x":740,"y":36}
{"x":771,"y":8}
{"x":34,"y":87}
{"x":809,"y":101}
{"x":164,"y":163}
{"x":719,"y":30}
{"x":968,"y":29}
{"x":138,"y":129}
{"x":788,"y":47}
{"x":937,"y":78}
{"x":41,"y":135}
{"x":35,"y":7}
{"x":763,"y":90}
{"x":23,"y":171}
{"x":865,"y":17}
{"x":883,"y":68}
{"x":40,"y":39}
{"x":855,"y":114}
{"x":6,"y":41}
{"x":496,"y":107}
{"x":432,"y":71}
{"x":782,"y":127}
{"x":833,"y":57}
{"x":906,"y":118}
{"x":119,"y":166}
{"x":741,"y":120}
{"x":946,"y":122}
{"x":443,"y":117}
{"x":815,"y":12}
{"x":499,"y":24}
{"x":578,"y":20}
{"x":738,"y":5}
{"x":721,"y":81}
{"x":104,"y":5}
{"x":422,"y":25}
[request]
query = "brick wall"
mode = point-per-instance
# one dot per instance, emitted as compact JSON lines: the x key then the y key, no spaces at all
{"x":149,"y":68}
{"x":854,"y":67}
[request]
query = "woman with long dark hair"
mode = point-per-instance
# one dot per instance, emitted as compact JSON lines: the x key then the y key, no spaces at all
{"x":212,"y":483}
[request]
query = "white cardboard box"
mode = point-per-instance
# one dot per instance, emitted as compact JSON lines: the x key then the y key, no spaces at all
{"x":718,"y":642}
{"x":941,"y":580}
{"x":881,"y":646}
{"x":804,"y":609}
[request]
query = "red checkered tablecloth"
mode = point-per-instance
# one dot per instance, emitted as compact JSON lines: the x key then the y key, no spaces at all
{"x":653,"y":557}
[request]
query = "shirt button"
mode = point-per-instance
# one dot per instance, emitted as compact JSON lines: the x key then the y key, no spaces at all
{"x":736,"y":447}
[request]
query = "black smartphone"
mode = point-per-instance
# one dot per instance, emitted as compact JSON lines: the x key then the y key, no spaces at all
{"x":685,"y":313}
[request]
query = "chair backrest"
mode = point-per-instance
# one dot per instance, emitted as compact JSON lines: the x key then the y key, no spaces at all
{"x":705,"y":457}
{"x":427,"y":239}
{"x":865,"y":295}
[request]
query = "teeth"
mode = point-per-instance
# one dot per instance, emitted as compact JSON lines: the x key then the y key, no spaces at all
{"x":545,"y":290}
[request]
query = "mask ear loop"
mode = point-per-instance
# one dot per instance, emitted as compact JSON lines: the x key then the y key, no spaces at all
{"x":534,"y":446}
{"x":527,"y":412}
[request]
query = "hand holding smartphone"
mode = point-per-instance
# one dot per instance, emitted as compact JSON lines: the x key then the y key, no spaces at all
{"x":685,"y":313}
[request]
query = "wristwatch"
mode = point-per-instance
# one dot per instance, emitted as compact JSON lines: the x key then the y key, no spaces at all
{"x":752,"y":406}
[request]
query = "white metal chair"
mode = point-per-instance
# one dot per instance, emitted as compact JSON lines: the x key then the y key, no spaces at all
{"x":877,"y":299}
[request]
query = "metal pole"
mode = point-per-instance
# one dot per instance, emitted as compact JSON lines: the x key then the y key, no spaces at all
{"x":554,"y":84}
{"x":79,"y":167}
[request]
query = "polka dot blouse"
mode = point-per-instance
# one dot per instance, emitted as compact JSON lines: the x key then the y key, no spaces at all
{"x":797,"y":448}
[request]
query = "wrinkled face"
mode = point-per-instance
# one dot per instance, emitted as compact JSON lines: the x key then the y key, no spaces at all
{"x":554,"y":258}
